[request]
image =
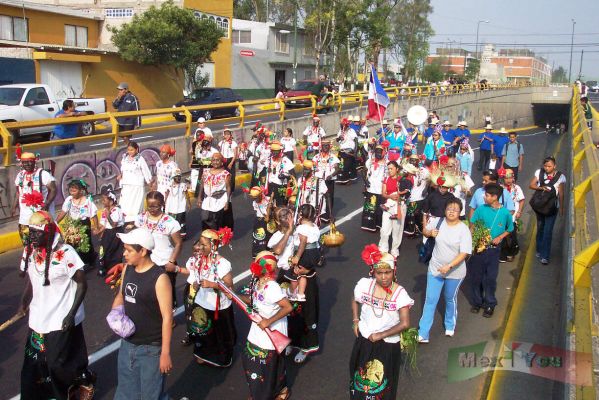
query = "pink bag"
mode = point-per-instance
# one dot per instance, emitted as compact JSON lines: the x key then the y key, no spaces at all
{"x":120,"y":323}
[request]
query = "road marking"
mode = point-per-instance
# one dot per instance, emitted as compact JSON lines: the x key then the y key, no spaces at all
{"x":232,"y":124}
{"x":252,"y":121}
{"x":114,"y":346}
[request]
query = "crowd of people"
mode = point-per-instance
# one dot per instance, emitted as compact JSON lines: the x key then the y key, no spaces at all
{"x":417,"y":184}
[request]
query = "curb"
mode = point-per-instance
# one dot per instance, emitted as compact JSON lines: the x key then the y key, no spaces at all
{"x":524,"y":128}
{"x":152,"y":120}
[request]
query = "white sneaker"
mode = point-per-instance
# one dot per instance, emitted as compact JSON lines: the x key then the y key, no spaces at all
{"x":300,"y":297}
{"x":300,"y":357}
{"x":449,"y":333}
{"x":395,"y":253}
{"x":422,"y":340}
{"x":288,"y":350}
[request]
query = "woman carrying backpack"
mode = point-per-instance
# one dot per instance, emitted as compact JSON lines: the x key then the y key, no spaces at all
{"x":549,"y":186}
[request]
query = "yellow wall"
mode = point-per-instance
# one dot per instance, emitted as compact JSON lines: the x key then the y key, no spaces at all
{"x":222,"y":56}
{"x":45,"y":27}
{"x":152,"y":86}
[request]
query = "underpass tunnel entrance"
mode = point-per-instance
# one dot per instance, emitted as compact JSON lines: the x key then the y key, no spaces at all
{"x":552,"y":114}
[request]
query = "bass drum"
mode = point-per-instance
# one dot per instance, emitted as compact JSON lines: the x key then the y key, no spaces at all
{"x":417,"y":115}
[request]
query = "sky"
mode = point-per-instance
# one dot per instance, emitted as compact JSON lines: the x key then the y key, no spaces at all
{"x":544,"y":26}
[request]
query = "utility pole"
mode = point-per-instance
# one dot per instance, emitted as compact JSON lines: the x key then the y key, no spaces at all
{"x":486,"y":21}
{"x":571,"y":51}
{"x":580,"y":69}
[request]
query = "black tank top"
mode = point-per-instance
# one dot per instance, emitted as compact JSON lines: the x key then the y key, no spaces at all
{"x":141,"y":305}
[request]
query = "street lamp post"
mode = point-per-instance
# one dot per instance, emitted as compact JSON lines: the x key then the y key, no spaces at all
{"x":571,"y":51}
{"x":295,"y":44}
{"x":486,"y":21}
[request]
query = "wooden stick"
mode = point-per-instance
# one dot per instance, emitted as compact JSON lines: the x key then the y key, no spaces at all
{"x":12,"y":320}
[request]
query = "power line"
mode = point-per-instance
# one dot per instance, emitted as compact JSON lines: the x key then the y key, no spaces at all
{"x":519,"y":34}
{"x":590,"y":44}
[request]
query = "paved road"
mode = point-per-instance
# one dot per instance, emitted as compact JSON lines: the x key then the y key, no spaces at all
{"x":323,"y":376}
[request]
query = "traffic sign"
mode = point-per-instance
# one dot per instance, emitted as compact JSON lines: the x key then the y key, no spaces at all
{"x":247,"y":53}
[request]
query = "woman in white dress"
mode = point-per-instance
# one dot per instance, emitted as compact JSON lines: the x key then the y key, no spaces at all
{"x":214,"y":195}
{"x":134,"y":172}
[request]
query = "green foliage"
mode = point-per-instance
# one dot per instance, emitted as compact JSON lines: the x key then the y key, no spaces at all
{"x":411,"y":32}
{"x":433,"y":72}
{"x":472,"y":69}
{"x":167,"y":36}
{"x":559,"y":75}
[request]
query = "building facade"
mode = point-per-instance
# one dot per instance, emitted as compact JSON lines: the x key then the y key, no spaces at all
{"x":67,"y":43}
{"x":453,"y":61}
{"x":263,"y":58}
{"x":522,"y":65}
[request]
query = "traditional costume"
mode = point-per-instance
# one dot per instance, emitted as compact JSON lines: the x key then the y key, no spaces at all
{"x":111,"y":247}
{"x":210,"y":319}
{"x":215,"y":198}
{"x":374,"y":366}
{"x":260,"y":232}
{"x":134,"y":171}
{"x":165,"y":170}
{"x":228,"y":148}
{"x":375,"y":171}
{"x":313,"y":136}
{"x":325,"y":165}
{"x":311,"y":190}
{"x":278,"y":170}
{"x":264,"y":368}
{"x":78,"y":224}
{"x":55,"y":365}
{"x":347,"y":139}
{"x":201,"y":158}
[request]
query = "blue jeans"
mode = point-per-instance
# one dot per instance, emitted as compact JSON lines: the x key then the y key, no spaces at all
{"x":544,"y":233}
{"x":139,"y":374}
{"x":434,"y":285}
{"x":63,"y":150}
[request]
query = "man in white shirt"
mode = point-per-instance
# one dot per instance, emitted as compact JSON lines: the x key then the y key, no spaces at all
{"x":278,"y":170}
{"x":313,"y":135}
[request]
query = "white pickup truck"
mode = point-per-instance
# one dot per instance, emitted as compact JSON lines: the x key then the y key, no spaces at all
{"x":27,"y":102}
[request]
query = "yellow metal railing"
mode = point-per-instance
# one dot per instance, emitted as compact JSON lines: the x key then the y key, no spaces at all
{"x":339,"y":102}
{"x":585,"y":168}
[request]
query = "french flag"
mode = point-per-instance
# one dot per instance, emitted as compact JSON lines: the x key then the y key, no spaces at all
{"x":378,"y":100}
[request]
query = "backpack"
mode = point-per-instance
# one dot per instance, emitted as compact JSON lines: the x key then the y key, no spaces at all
{"x":545,"y":202}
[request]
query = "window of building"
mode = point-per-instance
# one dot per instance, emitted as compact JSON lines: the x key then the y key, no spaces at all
{"x":75,"y":36}
{"x":308,"y":74}
{"x":13,"y":28}
{"x":221,"y":22}
{"x":282,"y":42}
{"x":242,"y":36}
{"x":309,"y":47}
{"x":118,"y":12}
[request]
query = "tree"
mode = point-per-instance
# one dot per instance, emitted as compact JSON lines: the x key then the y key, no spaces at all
{"x":559,"y":75}
{"x":169,"y":36}
{"x":319,"y":23}
{"x":472,"y":69}
{"x":433,"y":72}
{"x":411,"y":33}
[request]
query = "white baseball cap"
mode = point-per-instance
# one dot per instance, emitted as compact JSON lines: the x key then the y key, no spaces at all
{"x":141,"y":237}
{"x":201,"y":119}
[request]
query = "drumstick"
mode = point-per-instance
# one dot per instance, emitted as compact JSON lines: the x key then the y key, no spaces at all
{"x":12,"y":320}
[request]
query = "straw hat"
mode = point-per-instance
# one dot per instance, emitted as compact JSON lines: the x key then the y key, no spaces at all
{"x":462,"y":123}
{"x":489,"y":127}
{"x":410,"y":169}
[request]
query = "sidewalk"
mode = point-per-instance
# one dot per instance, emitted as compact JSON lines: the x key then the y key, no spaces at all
{"x":537,"y":310}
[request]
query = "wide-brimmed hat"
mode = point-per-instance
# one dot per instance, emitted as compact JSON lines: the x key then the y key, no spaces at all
{"x":462,"y":123}
{"x":434,"y":121}
{"x":385,"y":122}
{"x":447,"y":123}
{"x":502,"y":130}
{"x":276,"y":146}
{"x":489,"y":127}
{"x":410,"y":169}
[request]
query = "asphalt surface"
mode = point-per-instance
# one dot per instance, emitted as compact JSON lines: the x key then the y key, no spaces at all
{"x":323,"y":375}
{"x":250,"y":119}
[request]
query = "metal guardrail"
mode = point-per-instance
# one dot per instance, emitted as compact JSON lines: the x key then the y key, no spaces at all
{"x":585,"y":159}
{"x":339,"y":101}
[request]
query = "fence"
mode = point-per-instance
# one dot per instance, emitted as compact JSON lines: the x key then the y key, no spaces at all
{"x":338,"y":103}
{"x":585,"y":172}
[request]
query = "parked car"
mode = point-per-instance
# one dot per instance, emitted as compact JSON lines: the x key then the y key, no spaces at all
{"x":207,"y":96}
{"x":593,"y":86}
{"x":303,"y":88}
{"x":28,"y":102}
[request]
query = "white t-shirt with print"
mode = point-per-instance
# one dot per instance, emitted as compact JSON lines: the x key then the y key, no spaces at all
{"x":161,"y":232}
{"x":51,"y":304}
{"x":199,"y":271}
{"x":373,"y":307}
{"x":310,"y":231}
{"x":451,"y":241}
{"x":265,"y":302}
{"x":86,"y":210}
{"x":116,"y":215}
{"x":164,"y":175}
{"x":261,"y":207}
{"x":517,"y":196}
{"x":289,"y":143}
{"x":27,"y":183}
{"x":283,"y":258}
{"x":314,"y":135}
{"x":325,"y":165}
{"x":176,"y":201}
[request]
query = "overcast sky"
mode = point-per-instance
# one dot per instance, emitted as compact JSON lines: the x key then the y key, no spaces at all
{"x":544,"y":23}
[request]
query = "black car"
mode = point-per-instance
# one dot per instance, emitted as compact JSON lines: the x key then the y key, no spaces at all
{"x":206,"y":96}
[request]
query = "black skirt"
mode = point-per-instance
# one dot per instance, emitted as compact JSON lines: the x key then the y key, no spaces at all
{"x":348,"y":168}
{"x":260,"y":236}
{"x":212,"y":219}
{"x":53,"y":363}
{"x":374,"y":370}
{"x":231,"y":170}
{"x":372,"y":213}
{"x":325,"y":217}
{"x":303,"y":320}
{"x":213,"y":338}
{"x":111,"y":249}
{"x":264,"y":371}
{"x":88,"y":257}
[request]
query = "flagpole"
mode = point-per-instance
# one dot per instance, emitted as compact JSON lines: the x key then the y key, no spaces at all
{"x":378,"y":108}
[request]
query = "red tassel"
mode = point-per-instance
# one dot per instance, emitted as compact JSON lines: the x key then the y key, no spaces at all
{"x":217,"y":305}
{"x":18,"y":151}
